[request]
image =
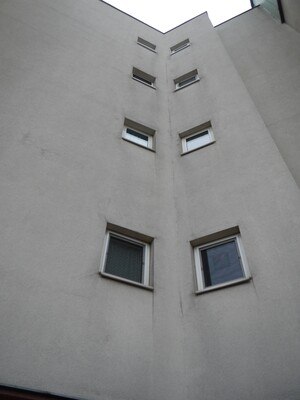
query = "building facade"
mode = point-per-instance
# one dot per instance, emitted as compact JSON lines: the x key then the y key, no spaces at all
{"x":149,"y":205}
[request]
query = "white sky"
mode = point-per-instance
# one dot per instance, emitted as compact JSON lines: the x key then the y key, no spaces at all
{"x":166,"y":14}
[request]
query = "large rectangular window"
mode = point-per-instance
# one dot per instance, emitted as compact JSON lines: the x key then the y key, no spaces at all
{"x":126,"y":257}
{"x":220,"y":263}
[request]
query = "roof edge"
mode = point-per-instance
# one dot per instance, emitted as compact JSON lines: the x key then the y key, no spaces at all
{"x":185,"y":22}
{"x":238,"y":15}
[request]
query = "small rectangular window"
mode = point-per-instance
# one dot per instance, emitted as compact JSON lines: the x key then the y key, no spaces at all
{"x":180,"y":46}
{"x":186,"y":79}
{"x":137,"y":137}
{"x":146,"y":44}
{"x":138,"y":134}
{"x":197,"y":137}
{"x":220,"y":263}
{"x":127,"y":256}
{"x":143,"y":77}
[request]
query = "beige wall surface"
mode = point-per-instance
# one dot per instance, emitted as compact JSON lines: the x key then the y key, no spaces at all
{"x":66,"y":88}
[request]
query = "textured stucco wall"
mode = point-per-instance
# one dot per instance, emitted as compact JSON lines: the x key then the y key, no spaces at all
{"x":65,"y":171}
{"x":291,"y":10}
{"x":267,"y":56}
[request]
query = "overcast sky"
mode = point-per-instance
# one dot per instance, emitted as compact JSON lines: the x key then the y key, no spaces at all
{"x":166,"y":14}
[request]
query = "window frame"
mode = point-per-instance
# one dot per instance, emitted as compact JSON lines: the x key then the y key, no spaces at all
{"x":186,"y":138}
{"x":128,"y":237}
{"x":179,"y":82}
{"x":200,"y":280}
{"x":147,"y":45}
{"x":180,"y":46}
{"x":143,"y":77}
{"x":127,"y":136}
{"x":140,"y":129}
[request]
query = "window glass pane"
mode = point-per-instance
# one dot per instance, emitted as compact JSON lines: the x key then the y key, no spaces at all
{"x":187,"y":81}
{"x":143,"y":80}
{"x":221,"y":263}
{"x":180,"y":47}
{"x":137,"y":137}
{"x":125,"y":259}
{"x":199,"y":140}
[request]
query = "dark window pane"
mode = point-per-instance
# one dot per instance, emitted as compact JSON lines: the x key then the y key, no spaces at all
{"x":186,"y":81}
{"x":137,"y":134}
{"x":125,"y":259}
{"x":143,"y":79}
{"x":198,"y":135}
{"x":221,"y":263}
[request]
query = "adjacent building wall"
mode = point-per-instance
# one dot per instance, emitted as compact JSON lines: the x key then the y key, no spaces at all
{"x":65,"y":172}
{"x":266,"y":54}
{"x":291,"y":10}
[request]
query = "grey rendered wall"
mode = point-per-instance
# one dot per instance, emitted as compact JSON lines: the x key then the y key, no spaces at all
{"x":266,"y":54}
{"x":66,"y":89}
{"x":291,"y":10}
{"x":65,"y":172}
{"x":235,"y":340}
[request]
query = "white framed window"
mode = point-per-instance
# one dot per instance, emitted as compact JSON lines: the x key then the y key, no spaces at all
{"x":197,"y":137}
{"x":137,"y":137}
{"x":197,"y":140}
{"x":144,"y":43}
{"x":220,"y":263}
{"x":139,"y":134}
{"x":186,"y":79}
{"x":180,"y":46}
{"x":126,"y":257}
{"x":143,"y":77}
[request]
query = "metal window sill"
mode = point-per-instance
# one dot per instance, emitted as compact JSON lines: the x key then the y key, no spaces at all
{"x":224,"y":285}
{"x":198,"y":148}
{"x":139,"y":145}
{"x":123,"y":280}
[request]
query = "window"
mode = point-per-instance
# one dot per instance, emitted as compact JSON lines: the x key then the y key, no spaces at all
{"x":220,"y":263}
{"x":142,"y":77}
{"x":138,"y":134}
{"x":146,"y":44}
{"x":197,"y":137}
{"x":186,"y":79}
{"x":180,"y":46}
{"x":137,"y":137}
{"x":127,"y":256}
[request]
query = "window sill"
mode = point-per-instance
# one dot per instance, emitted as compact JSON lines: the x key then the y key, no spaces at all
{"x":139,"y":145}
{"x":188,"y":84}
{"x":198,"y":148}
{"x":224,"y":285}
{"x":123,"y":280}
{"x":144,"y":83}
